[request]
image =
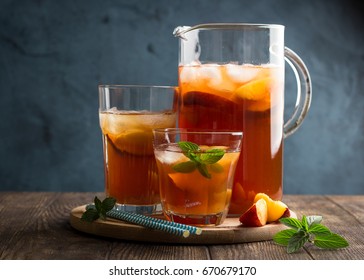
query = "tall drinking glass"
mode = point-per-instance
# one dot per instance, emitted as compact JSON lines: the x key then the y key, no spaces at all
{"x":128,"y":114}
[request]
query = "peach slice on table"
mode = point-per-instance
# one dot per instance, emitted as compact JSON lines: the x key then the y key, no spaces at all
{"x":276,"y":208}
{"x":286,"y":213}
{"x":256,"y":215}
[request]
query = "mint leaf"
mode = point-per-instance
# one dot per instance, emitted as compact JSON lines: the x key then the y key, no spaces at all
{"x":212,"y":156}
{"x":192,"y":156}
{"x":302,"y":231}
{"x":98,"y":204}
{"x":185,"y":167}
{"x":330,"y":241}
{"x":199,"y":159}
{"x":90,"y":215}
{"x":203,"y":170}
{"x":108,"y":204}
{"x":284,"y":236}
{"x":216,"y":168}
{"x":99,"y":209}
{"x":313,"y":220}
{"x":319,"y":229}
{"x":188,"y":146}
{"x":297,"y":241}
{"x":291,"y":222}
{"x":304,"y":223}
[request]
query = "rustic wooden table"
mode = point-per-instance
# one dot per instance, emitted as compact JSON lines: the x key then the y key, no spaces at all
{"x":35,"y":225}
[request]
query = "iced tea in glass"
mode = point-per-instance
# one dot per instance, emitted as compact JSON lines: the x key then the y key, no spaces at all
{"x":128,"y":114}
{"x":196,"y":172}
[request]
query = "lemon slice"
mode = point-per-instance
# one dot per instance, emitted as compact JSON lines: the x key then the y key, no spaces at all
{"x":134,"y":141}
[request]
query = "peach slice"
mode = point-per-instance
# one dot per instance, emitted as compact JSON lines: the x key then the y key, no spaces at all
{"x":256,"y":215}
{"x":276,"y":208}
{"x":210,"y":100}
{"x":286,"y":213}
{"x":255,"y":90}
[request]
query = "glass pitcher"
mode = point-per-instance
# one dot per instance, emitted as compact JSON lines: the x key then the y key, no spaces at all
{"x":231,"y":76}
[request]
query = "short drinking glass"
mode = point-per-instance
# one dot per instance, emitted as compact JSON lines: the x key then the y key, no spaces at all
{"x":196,"y":172}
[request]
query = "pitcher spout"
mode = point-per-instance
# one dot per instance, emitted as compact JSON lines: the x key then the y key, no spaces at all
{"x":179,"y":31}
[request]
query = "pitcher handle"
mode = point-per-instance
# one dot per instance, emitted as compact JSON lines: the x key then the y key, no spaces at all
{"x":303,"y":85}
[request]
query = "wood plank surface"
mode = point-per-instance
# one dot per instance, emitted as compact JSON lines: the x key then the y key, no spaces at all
{"x":35,"y":225}
{"x":230,"y":232}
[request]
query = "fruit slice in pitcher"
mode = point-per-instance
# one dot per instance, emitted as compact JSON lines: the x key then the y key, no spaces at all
{"x":201,"y":109}
{"x":255,"y":90}
{"x":256,"y":94}
{"x":208,"y":100}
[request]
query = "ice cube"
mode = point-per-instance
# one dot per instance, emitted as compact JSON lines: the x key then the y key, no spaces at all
{"x":188,"y":74}
{"x":209,"y":72}
{"x":169,"y":157}
{"x":195,"y":63}
{"x":215,"y":80}
{"x":241,"y":73}
{"x":103,"y":122}
{"x":116,"y":123}
{"x":113,"y":110}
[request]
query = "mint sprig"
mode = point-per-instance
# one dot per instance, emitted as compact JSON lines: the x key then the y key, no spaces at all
{"x":99,"y":211}
{"x":199,"y":159}
{"x":309,"y":229}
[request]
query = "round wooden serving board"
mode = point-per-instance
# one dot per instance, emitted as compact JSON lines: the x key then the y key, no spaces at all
{"x":231,"y":231}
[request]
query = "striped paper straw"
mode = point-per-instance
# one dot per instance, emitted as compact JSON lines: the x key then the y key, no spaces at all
{"x":191,"y":229}
{"x":154,"y":223}
{"x":150,"y":223}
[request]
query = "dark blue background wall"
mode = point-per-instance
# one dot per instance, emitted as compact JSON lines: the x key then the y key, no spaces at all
{"x":53,"y":54}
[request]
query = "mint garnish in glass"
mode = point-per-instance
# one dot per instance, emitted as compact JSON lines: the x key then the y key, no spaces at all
{"x":199,"y":159}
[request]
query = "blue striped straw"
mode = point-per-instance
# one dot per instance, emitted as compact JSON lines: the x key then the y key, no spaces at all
{"x":191,"y":229}
{"x":150,"y":223}
{"x":154,"y":223}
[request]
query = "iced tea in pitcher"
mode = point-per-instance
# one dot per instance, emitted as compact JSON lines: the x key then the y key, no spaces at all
{"x":231,"y":76}
{"x":248,"y":98}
